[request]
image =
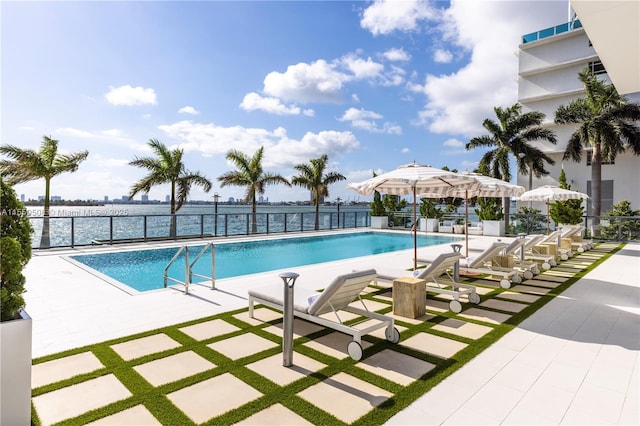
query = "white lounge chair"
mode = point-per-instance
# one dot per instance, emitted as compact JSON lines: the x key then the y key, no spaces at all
{"x":475,"y":228}
{"x":528,"y":252}
{"x":487,"y":263}
{"x":433,"y":274}
{"x":555,"y":238}
{"x":513,"y":251}
{"x":446,"y":226}
{"x":574,"y":234}
{"x":337,"y":296}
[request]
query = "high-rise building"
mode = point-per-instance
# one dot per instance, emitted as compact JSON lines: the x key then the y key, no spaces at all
{"x":605,"y":37}
{"x":145,"y":198}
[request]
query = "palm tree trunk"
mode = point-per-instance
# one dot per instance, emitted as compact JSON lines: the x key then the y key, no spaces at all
{"x":45,"y":239}
{"x":173,"y":225}
{"x":596,"y":186}
{"x":315,"y":199}
{"x":254,"y":216}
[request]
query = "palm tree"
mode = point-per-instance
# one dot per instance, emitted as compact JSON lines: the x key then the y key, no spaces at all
{"x":167,"y":167}
{"x":250,"y":175}
{"x":512,"y":135}
{"x":605,"y":123}
{"x":313,"y":178}
{"x":28,"y":165}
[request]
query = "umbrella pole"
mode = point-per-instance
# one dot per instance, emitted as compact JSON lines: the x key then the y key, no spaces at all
{"x":547,"y":203}
{"x":466,"y":221}
{"x":415,"y":232}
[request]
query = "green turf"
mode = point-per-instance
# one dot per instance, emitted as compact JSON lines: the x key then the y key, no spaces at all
{"x":156,"y":401}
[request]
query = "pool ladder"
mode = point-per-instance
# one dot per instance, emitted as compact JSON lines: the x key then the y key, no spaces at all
{"x":188,"y":273}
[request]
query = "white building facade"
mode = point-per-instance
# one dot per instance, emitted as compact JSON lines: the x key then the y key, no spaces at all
{"x":549,"y":63}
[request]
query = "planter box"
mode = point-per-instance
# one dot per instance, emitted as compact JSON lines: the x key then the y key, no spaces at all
{"x":429,"y":224}
{"x":458,"y":229}
{"x":15,"y":364}
{"x":379,"y":222}
{"x":493,"y":228}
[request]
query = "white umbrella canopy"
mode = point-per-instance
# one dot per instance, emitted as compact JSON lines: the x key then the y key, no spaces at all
{"x":412,"y":179}
{"x":485,"y":186}
{"x":549,"y":193}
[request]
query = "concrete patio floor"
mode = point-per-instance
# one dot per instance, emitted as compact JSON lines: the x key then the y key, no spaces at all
{"x":575,"y":361}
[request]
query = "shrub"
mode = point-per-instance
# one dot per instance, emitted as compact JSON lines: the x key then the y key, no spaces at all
{"x":15,"y":252}
{"x":569,"y":212}
{"x":489,"y":208}
{"x":528,"y":220}
{"x":622,"y":225}
{"x":429,"y":209}
{"x":377,"y":208}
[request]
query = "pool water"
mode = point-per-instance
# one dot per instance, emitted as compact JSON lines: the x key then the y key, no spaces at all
{"x":142,"y":270}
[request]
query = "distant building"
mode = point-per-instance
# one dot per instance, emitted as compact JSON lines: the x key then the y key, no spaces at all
{"x":145,"y":198}
{"x":167,"y":198}
{"x":22,"y":197}
{"x":106,"y":198}
{"x":549,"y":63}
{"x":231,"y":200}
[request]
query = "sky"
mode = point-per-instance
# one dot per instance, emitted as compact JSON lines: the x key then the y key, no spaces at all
{"x":371,"y":84}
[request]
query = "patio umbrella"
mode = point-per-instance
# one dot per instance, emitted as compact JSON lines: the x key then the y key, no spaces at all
{"x":412,"y":179}
{"x":485,"y":186}
{"x":549,"y":193}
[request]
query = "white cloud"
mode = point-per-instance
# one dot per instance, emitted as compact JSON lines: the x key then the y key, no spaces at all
{"x":453,"y":143}
{"x":405,"y":150}
{"x":362,"y":68}
{"x":323,"y":81}
{"x":27,"y":128}
{"x":442,"y":56}
{"x":112,"y":132}
{"x":387,"y":16}
{"x":280,"y":150}
{"x":70,"y":131}
{"x":315,"y":82}
{"x":454,"y":147}
{"x":188,"y":110}
{"x":365,"y":120}
{"x":359,"y":114}
{"x":253,"y":101}
{"x":490,"y":31}
{"x":131,"y":96}
{"x":109,"y":136}
{"x":396,"y":55}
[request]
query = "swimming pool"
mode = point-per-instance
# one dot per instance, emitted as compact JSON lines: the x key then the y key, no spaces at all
{"x":142,"y":270}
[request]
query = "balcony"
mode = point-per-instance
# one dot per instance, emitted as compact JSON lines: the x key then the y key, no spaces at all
{"x":548,"y":32}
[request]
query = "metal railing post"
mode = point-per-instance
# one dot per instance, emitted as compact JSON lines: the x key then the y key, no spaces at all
{"x":456,"y":266}
{"x":289,"y":280}
{"x":72,"y":231}
{"x":187,"y":270}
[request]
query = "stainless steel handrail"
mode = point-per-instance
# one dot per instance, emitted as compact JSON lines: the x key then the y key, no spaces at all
{"x":213,"y":265}
{"x":187,"y":274}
